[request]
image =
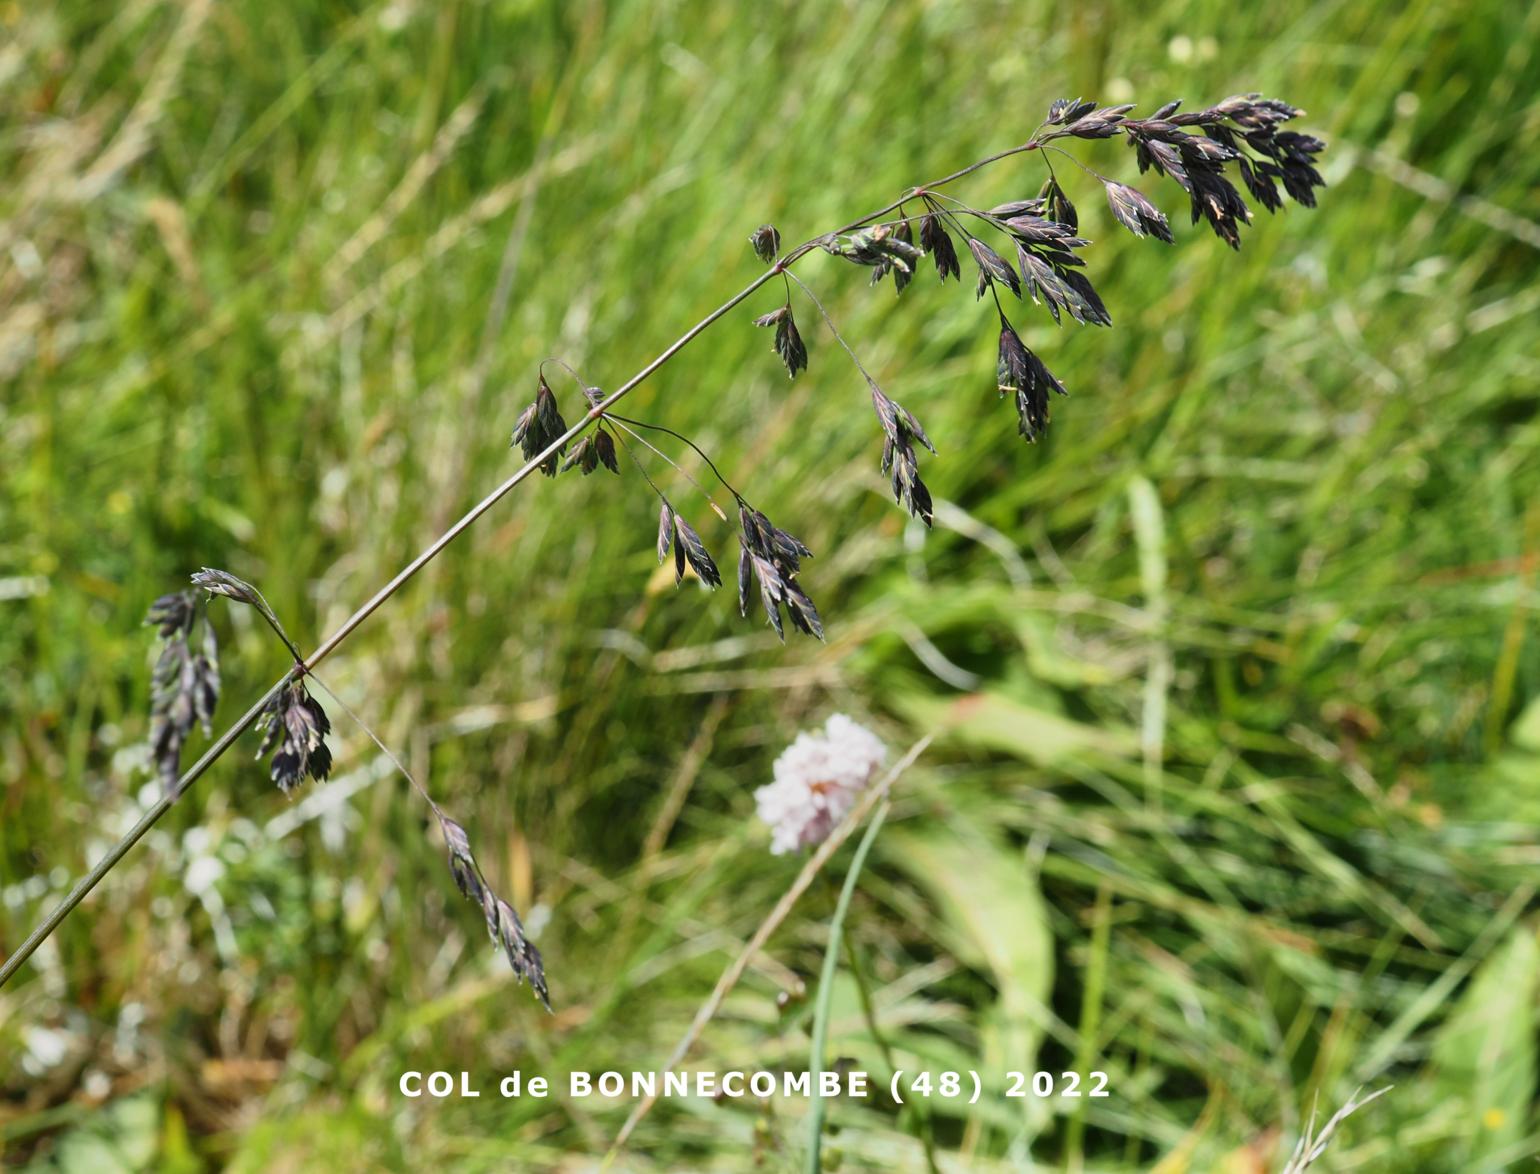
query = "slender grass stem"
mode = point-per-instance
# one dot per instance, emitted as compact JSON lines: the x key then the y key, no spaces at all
{"x":878,"y":793}
{"x":116,"y":853}
{"x":831,"y":961}
{"x":380,"y":742}
{"x":623,"y":424}
{"x":108,"y":862}
{"x":1090,"y":1017}
{"x":700,"y":452}
{"x":148,"y":820}
{"x":833,"y":329}
{"x":868,"y":1008}
{"x":869,"y":1012}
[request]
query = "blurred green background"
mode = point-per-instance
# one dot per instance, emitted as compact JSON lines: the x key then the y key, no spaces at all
{"x":1234,"y":678}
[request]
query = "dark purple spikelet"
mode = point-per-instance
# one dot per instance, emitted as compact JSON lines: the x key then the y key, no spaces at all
{"x":900,"y":430}
{"x":503,"y":924}
{"x":665,"y":529}
{"x":689,"y":547}
{"x":1063,"y":110}
{"x":538,"y":426}
{"x":1135,"y":212}
{"x":595,"y":449}
{"x":173,"y":615}
{"x":462,"y":865}
{"x":788,"y":340}
{"x":1087,"y":122}
{"x":1057,"y":205}
{"x":992,"y":268}
{"x":582,"y":456}
{"x":1051,"y":270}
{"x":1013,"y":208}
{"x":935,"y":241}
{"x":766,"y":240}
{"x":773,"y":558}
{"x":1021,"y":373}
{"x":217,"y":582}
{"x":689,"y":550}
{"x":295,"y":725}
{"x":903,"y":274}
{"x":184,"y":687}
{"x":228,"y":586}
{"x":604,"y":449}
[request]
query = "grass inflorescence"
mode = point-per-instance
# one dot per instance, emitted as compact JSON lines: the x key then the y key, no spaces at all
{"x":1231,"y":669}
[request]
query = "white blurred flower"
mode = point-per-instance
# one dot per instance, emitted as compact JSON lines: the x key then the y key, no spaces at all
{"x":817,"y":780}
{"x":43,"y":1048}
{"x":202,"y":874}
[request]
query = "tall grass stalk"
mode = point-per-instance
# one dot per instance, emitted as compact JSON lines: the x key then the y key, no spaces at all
{"x":831,"y":960}
{"x":1043,"y":234}
{"x":216,"y":751}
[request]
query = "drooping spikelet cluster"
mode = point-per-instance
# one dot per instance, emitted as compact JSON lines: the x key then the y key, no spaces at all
{"x":1037,"y":253}
{"x":184,"y":688}
{"x":1029,"y":248}
{"x":503,"y":924}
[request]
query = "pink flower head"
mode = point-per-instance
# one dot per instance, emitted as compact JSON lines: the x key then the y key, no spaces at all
{"x":817,"y":780}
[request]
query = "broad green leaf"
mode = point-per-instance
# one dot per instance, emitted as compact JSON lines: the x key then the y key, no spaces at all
{"x":994,"y":921}
{"x":1484,"y":1054}
{"x":1526,"y":729}
{"x":996,"y":722}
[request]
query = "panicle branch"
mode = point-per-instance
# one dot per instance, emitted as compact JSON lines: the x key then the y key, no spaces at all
{"x":1039,"y":256}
